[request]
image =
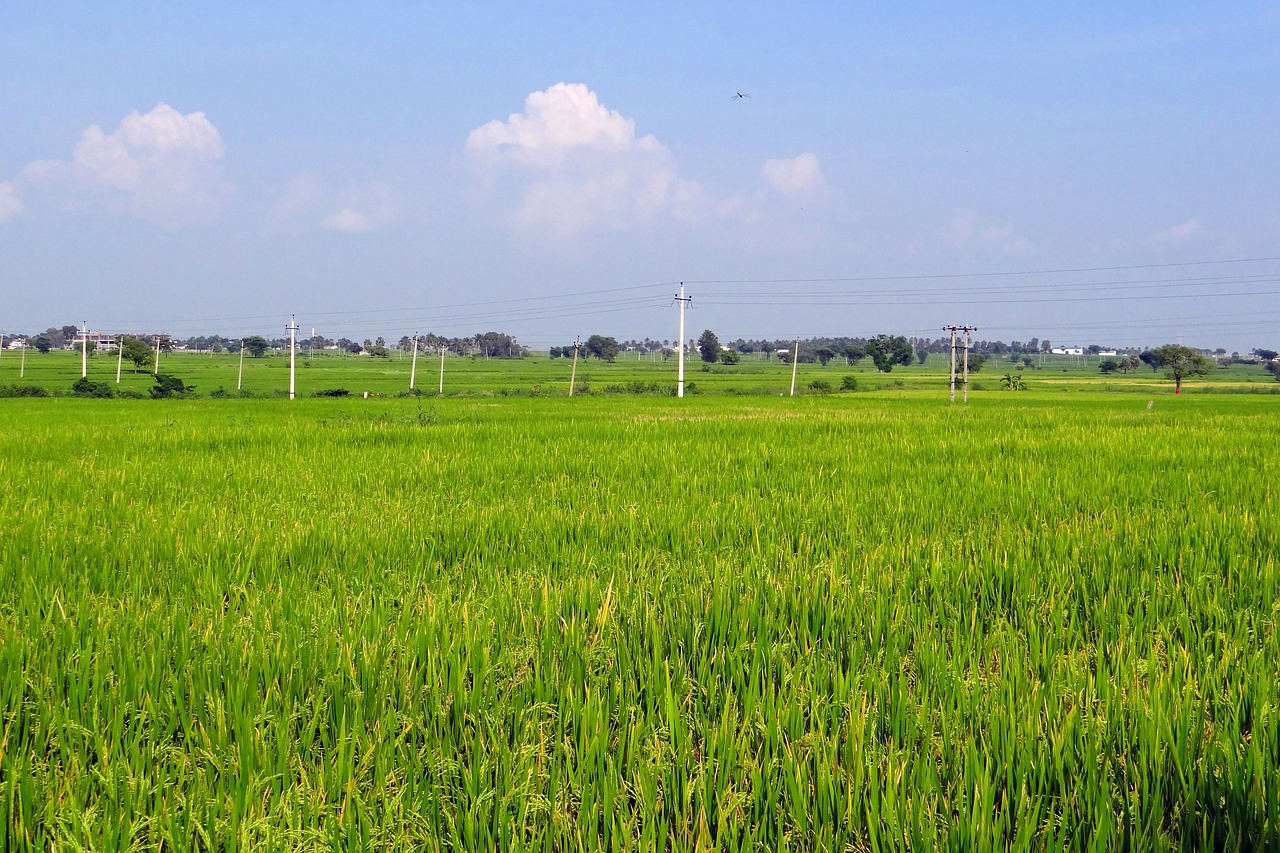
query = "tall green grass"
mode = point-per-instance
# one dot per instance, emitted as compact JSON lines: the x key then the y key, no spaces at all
{"x":869,"y":622}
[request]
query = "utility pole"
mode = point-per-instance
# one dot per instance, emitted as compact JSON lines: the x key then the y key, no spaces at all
{"x":84,"y":350}
{"x":967,"y":330}
{"x":795,"y":360}
{"x":413,"y":367}
{"x":156,"y":370}
{"x":573,"y":373}
{"x":240,"y":376}
{"x":119,"y":356}
{"x":965,"y":367}
{"x":442,"y":368}
{"x":292,"y":329}
{"x":683,"y":300}
{"x":22,"y":369}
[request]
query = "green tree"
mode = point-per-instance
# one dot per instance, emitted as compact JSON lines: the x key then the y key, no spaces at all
{"x":888,"y":350}
{"x":1108,"y":365}
{"x":1181,"y":363}
{"x":853,"y":354}
{"x":137,"y":351}
{"x":1266,"y":354}
{"x":256,"y":345}
{"x":709,"y":346}
{"x":43,"y":344}
{"x":730,"y":357}
{"x":824,"y":355}
{"x":601,"y":347}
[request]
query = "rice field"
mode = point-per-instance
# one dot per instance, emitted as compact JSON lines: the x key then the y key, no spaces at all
{"x":850,"y":622}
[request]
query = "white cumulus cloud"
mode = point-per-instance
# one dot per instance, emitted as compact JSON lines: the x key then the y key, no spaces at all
{"x":568,"y":165}
{"x":161,"y":166}
{"x":10,"y":205}
{"x":799,"y":175}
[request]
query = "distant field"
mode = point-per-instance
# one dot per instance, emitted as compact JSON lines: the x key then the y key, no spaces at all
{"x":540,"y":375}
{"x":865,"y":621}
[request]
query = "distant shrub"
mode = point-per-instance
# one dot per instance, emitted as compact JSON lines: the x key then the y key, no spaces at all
{"x":849,"y":383}
{"x":86,"y":387}
{"x":820,"y":386}
{"x":24,"y":391}
{"x":334,"y":392}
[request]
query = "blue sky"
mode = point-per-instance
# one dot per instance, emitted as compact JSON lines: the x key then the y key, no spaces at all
{"x":1101,"y":173}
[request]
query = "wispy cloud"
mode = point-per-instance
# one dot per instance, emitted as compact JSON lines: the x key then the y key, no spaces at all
{"x":162,"y":166}
{"x":10,"y":205}
{"x":1175,"y":234}
{"x":358,"y":209}
{"x":967,"y":230}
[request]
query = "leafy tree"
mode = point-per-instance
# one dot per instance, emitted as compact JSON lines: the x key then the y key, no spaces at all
{"x":888,"y":350}
{"x":1266,"y":354}
{"x":1274,"y":368}
{"x":43,"y":344}
{"x":730,"y":357}
{"x":849,"y":383}
{"x":922,"y":355}
{"x":709,"y":346}
{"x":853,"y":354}
{"x":137,"y":351}
{"x":602,"y":347}
{"x":256,"y":345}
{"x":1012,"y":382}
{"x":976,"y":360}
{"x":1150,"y":359}
{"x":824,"y":355}
{"x":1181,"y":363}
{"x":1108,"y":365}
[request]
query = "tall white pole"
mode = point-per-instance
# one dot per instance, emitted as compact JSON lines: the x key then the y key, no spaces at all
{"x":157,"y":368}
{"x":240,"y":376}
{"x":442,"y":368}
{"x":22,"y":370}
{"x":795,"y":360}
{"x":293,"y":337}
{"x":953,"y":364}
{"x":573,"y":374}
{"x":966,"y":365}
{"x":413,"y":368}
{"x":84,"y":351}
{"x":683,"y":300}
{"x":119,"y":356}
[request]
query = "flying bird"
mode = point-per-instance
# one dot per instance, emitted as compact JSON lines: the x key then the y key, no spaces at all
{"x":739,"y":95}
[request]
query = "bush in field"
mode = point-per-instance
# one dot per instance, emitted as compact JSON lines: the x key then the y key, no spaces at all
{"x":86,"y":387}
{"x":730,"y":356}
{"x":849,"y":383}
{"x":820,"y":386}
{"x":24,"y":391}
{"x":337,"y":392}
{"x":168,"y":385}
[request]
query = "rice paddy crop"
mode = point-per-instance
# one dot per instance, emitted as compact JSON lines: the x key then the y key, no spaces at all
{"x":868,"y":622}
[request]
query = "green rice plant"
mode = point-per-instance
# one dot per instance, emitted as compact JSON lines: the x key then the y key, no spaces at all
{"x":867,"y":621}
